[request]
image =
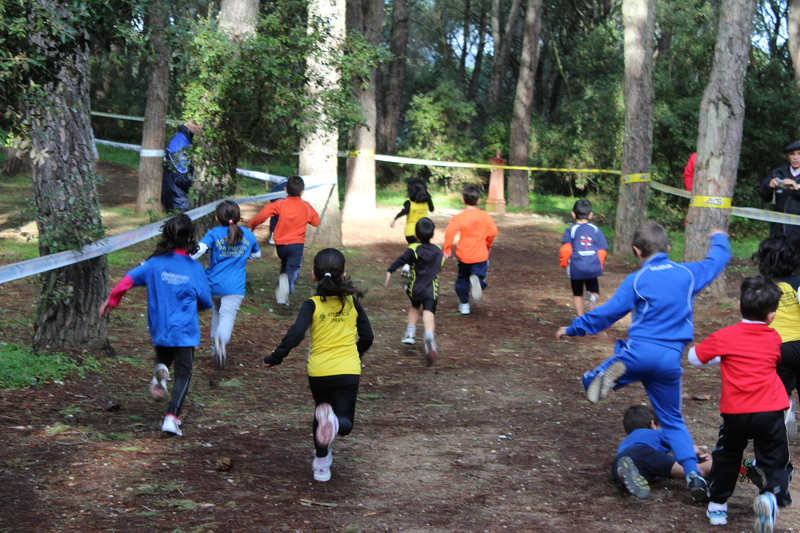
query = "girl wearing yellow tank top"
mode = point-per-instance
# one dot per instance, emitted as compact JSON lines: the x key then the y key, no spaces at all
{"x":340,"y":334}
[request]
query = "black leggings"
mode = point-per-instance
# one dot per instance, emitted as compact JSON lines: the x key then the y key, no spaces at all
{"x":340,"y":392}
{"x":183,"y":357}
{"x":789,"y":367}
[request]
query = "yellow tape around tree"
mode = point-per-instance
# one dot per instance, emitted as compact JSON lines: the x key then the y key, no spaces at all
{"x":635,"y":178}
{"x":717,"y":202}
{"x":362,"y":153}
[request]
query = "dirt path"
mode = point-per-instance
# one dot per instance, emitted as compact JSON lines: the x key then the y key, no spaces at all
{"x":497,"y":437}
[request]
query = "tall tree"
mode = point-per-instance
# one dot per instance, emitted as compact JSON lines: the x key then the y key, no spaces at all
{"x":502,"y":41}
{"x":523,"y":104}
{"x":365,"y":18}
{"x":318,"y":148}
{"x":719,"y":138}
{"x":158,"y":55}
{"x":639,"y":18}
{"x":393,"y":95}
{"x":793,"y":26}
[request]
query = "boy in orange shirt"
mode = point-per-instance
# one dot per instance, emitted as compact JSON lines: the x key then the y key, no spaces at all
{"x":290,"y":233}
{"x":477,"y":232}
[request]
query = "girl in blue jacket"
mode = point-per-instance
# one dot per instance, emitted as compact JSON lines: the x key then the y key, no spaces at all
{"x":177,"y":287}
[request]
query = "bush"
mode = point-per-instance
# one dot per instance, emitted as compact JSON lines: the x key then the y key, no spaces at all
{"x":20,"y":367}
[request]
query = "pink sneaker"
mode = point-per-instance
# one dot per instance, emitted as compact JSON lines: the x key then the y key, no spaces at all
{"x":327,"y":424}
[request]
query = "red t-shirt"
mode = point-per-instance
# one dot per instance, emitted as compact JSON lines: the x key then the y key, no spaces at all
{"x":749,"y":353}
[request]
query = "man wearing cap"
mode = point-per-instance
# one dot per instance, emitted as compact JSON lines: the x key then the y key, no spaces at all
{"x":782,"y":189}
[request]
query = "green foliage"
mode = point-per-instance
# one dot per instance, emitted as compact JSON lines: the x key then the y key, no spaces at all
{"x":119,"y":156}
{"x":438,"y":120}
{"x":20,"y":367}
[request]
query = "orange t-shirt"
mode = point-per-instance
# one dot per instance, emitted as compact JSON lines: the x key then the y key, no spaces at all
{"x":477,"y":230}
{"x":294,"y":213}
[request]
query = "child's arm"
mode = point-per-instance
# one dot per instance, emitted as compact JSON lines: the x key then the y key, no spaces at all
{"x":201,"y":249}
{"x":430,"y":204}
{"x":695,"y":360}
{"x":718,"y":256}
{"x":294,"y":336}
{"x":403,"y":212}
{"x":602,"y":317}
{"x":406,"y":259}
{"x":491,"y":231}
{"x":450,"y":232}
{"x":125,"y":284}
{"x":269,"y":210}
{"x":313,"y":216}
{"x":564,"y":254}
{"x":601,"y":255}
{"x":364,"y":328}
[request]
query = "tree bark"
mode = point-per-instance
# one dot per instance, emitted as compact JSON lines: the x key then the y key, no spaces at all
{"x":67,"y":208}
{"x":366,"y":17}
{"x":462,"y":62}
{"x":393,"y":97}
{"x":639,"y":18}
{"x":474,"y":83}
{"x":523,"y":105}
{"x":502,"y":48}
{"x":719,"y":138}
{"x":793,"y":24}
{"x":318,"y":149}
{"x":238,"y":18}
{"x":150,"y":169}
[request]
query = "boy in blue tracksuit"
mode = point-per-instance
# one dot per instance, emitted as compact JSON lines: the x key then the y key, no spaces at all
{"x":660,"y":296}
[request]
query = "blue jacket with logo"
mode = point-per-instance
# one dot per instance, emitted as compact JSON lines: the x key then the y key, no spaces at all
{"x":660,"y":295}
{"x":586,"y":239}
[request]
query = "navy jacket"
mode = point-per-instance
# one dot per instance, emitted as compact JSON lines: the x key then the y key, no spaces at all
{"x":178,"y":172}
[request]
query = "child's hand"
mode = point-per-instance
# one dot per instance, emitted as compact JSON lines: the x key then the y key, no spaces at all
{"x":447,"y":255}
{"x":105,"y":309}
{"x":561,"y":333}
{"x":267,"y":365}
{"x":391,"y":224}
{"x":388,"y":277}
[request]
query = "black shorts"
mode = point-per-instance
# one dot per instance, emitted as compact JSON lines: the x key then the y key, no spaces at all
{"x":651,"y":463}
{"x":427,"y":305}
{"x":592,"y":285}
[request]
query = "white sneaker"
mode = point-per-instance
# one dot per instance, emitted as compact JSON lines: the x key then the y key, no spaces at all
{"x":406,"y":271}
{"x":170,"y":426}
{"x":158,"y":383}
{"x":430,"y":350}
{"x":327,"y":424}
{"x":790,"y":420}
{"x":475,"y":287}
{"x":322,"y":467}
{"x":591,"y":301}
{"x":408,"y":338}
{"x":463,"y":309}
{"x":766,"y":508}
{"x":271,"y":239}
{"x":282,"y":291}
{"x":717,"y":514}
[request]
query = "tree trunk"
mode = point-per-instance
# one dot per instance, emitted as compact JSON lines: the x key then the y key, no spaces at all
{"x":502,"y":48}
{"x":18,"y":162}
{"x":462,"y":62}
{"x":474,"y":83}
{"x":67,"y":209}
{"x":793,"y":24}
{"x":637,"y":148}
{"x":318,"y":149}
{"x":366,"y":17}
{"x":150,"y":170}
{"x":393,"y":97}
{"x":238,"y":18}
{"x":523,"y":104}
{"x":719,"y":138}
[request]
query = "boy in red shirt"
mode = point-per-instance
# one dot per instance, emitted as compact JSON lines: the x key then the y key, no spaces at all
{"x":751,"y":404}
{"x":477,"y":231}
{"x":290,"y":233}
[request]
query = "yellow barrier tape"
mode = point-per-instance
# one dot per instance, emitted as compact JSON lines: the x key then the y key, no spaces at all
{"x":362,"y":153}
{"x":433,"y":163}
{"x":635,"y":178}
{"x":710,"y":201}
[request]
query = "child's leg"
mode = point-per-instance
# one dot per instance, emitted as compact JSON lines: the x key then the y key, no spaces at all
{"x":283,"y":255}
{"x":341,"y":393}
{"x":580,"y":308}
{"x":413,"y":315}
{"x":462,"y":282}
{"x":294,"y":262}
{"x":183,"y":357}
{"x":228,"y":308}
{"x":789,"y":367}
{"x":727,"y":456}
{"x":772,"y":453}
{"x":216,"y":300}
{"x":481,"y":270}
{"x":428,"y":321}
{"x":577,"y":296}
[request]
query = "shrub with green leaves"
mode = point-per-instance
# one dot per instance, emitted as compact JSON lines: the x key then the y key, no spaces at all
{"x":20,"y":367}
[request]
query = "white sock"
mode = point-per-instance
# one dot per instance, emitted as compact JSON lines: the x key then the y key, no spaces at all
{"x":411,"y":330}
{"x":429,"y":335}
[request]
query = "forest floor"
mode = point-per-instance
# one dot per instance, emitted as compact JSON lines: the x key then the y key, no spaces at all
{"x":497,"y":436}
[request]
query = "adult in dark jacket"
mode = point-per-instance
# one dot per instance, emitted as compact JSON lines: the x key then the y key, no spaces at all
{"x":782,"y":189}
{"x":178,"y":170}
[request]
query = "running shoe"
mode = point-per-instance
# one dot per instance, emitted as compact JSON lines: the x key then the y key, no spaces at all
{"x":766,"y":508}
{"x":218,"y":354}
{"x":430,"y":350}
{"x":475,"y":287}
{"x":633,"y":480}
{"x":170,"y":426}
{"x":158,"y":383}
{"x":327,"y":424}
{"x":599,"y":382}
{"x":282,"y":291}
{"x":322,"y":467}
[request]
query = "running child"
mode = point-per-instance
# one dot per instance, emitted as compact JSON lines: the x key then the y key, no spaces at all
{"x":644,"y":456}
{"x":230,"y":247}
{"x":477,"y":232}
{"x":176,"y":288}
{"x":426,"y":262}
{"x":660,"y":294}
{"x":778,"y":257}
{"x":751,"y":404}
{"x":335,"y":318}
{"x":583,"y":254}
{"x":417,"y":205}
{"x":290,"y":233}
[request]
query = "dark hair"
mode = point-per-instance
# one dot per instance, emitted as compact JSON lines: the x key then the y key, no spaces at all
{"x":582,"y":209}
{"x":331,"y":281}
{"x":177,"y":233}
{"x":471,"y":194}
{"x":295,"y":185}
{"x":229,"y":215}
{"x":417,"y":191}
{"x":424,"y":229}
{"x":778,"y":256}
{"x":758,"y":297}
{"x":638,"y":417}
{"x":651,"y":238}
